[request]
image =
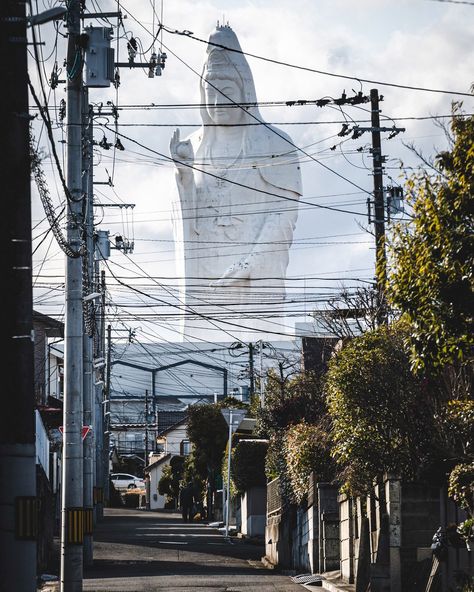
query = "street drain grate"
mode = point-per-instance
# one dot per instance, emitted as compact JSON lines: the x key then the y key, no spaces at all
{"x":308,"y":579}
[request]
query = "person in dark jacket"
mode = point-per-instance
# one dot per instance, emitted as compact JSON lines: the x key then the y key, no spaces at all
{"x":186,"y":502}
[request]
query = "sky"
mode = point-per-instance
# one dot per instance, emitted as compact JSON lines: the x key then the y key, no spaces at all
{"x":412,"y":43}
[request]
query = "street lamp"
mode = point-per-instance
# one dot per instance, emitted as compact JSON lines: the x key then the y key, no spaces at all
{"x":53,"y":14}
{"x":233,"y":418}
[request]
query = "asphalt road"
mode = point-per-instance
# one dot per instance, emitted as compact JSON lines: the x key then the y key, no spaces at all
{"x":136,"y":551}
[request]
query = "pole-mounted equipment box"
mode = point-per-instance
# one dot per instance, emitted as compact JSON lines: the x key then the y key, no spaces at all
{"x":102,"y":245}
{"x":99,"y":57}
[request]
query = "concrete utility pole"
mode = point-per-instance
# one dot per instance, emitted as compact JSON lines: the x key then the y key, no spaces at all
{"x":100,"y":396}
{"x":107,"y":413}
{"x":251,"y":371}
{"x":89,"y":327}
{"x":229,"y":456}
{"x":262,"y":386}
{"x":379,"y":208}
{"x":146,"y":428}
{"x":72,"y":512}
{"x":18,"y":504}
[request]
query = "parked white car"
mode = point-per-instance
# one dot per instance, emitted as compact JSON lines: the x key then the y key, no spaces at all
{"x":125,"y":481}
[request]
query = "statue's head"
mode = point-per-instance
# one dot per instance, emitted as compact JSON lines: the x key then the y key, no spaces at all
{"x":226,"y":77}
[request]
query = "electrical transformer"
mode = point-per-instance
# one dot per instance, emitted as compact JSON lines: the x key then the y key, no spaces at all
{"x":99,"y":57}
{"x":102,"y":245}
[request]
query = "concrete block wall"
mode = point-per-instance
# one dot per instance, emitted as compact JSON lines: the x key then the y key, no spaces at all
{"x":347,"y":539}
{"x":253,"y":511}
{"x":272,"y":533}
{"x":328,"y":527}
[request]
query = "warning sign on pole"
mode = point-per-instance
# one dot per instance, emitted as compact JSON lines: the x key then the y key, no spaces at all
{"x":84,"y":432}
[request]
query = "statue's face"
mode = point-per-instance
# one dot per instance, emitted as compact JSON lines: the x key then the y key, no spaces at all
{"x":219,"y":91}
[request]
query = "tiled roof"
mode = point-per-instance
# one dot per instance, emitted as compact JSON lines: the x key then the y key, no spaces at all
{"x":168,"y":419}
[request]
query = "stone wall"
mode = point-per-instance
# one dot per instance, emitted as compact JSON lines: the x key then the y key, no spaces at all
{"x":385,"y":539}
{"x":304,"y":538}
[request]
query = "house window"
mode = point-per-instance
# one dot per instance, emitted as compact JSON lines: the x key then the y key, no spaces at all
{"x":185,"y":447}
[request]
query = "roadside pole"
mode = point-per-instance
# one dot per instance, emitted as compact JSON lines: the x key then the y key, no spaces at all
{"x":233,"y":418}
{"x":106,"y":445}
{"x":229,"y":446}
{"x":18,"y":504}
{"x":251,"y":371}
{"x":72,"y":511}
{"x":379,"y":208}
{"x":89,"y":328}
{"x":99,"y":390}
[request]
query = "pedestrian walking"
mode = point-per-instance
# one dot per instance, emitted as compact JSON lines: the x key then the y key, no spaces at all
{"x":186,"y":502}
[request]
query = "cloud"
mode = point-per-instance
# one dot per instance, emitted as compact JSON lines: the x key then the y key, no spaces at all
{"x":419,"y":44}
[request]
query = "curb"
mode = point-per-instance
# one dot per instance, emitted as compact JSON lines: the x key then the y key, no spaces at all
{"x":267,"y":563}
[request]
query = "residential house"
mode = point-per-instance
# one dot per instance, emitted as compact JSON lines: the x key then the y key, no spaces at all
{"x":48,"y":365}
{"x":130,"y":424}
{"x":171,"y":441}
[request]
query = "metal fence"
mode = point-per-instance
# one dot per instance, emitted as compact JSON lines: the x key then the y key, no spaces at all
{"x":273,"y":497}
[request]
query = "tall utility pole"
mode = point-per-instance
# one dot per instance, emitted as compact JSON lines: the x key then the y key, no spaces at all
{"x":107,"y":413}
{"x":72,"y":512}
{"x":229,"y":456}
{"x":262,"y":386}
{"x":379,"y":208}
{"x":282,"y":380}
{"x":99,"y":392}
{"x":89,"y":328}
{"x":18,"y":506}
{"x":146,"y":427}
{"x":251,"y":371}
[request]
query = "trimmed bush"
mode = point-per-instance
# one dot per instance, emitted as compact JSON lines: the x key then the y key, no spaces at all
{"x":307,"y":450}
{"x":248,"y":465}
{"x":382,"y":415}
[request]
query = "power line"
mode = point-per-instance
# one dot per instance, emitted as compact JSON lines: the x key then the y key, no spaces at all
{"x":253,"y":124}
{"x":186,"y":309}
{"x":266,"y":125}
{"x":169,"y":158}
{"x":271,"y":129}
{"x":455,"y":2}
{"x":323,"y":72}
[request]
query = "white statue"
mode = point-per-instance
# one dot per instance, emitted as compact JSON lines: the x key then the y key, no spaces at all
{"x":239,"y":181}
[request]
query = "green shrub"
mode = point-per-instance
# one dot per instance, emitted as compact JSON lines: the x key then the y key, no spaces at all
{"x":382,"y":415}
{"x":456,"y":425}
{"x":248,"y":465}
{"x":306,"y":449}
{"x":208,"y":432}
{"x":461,"y":486}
